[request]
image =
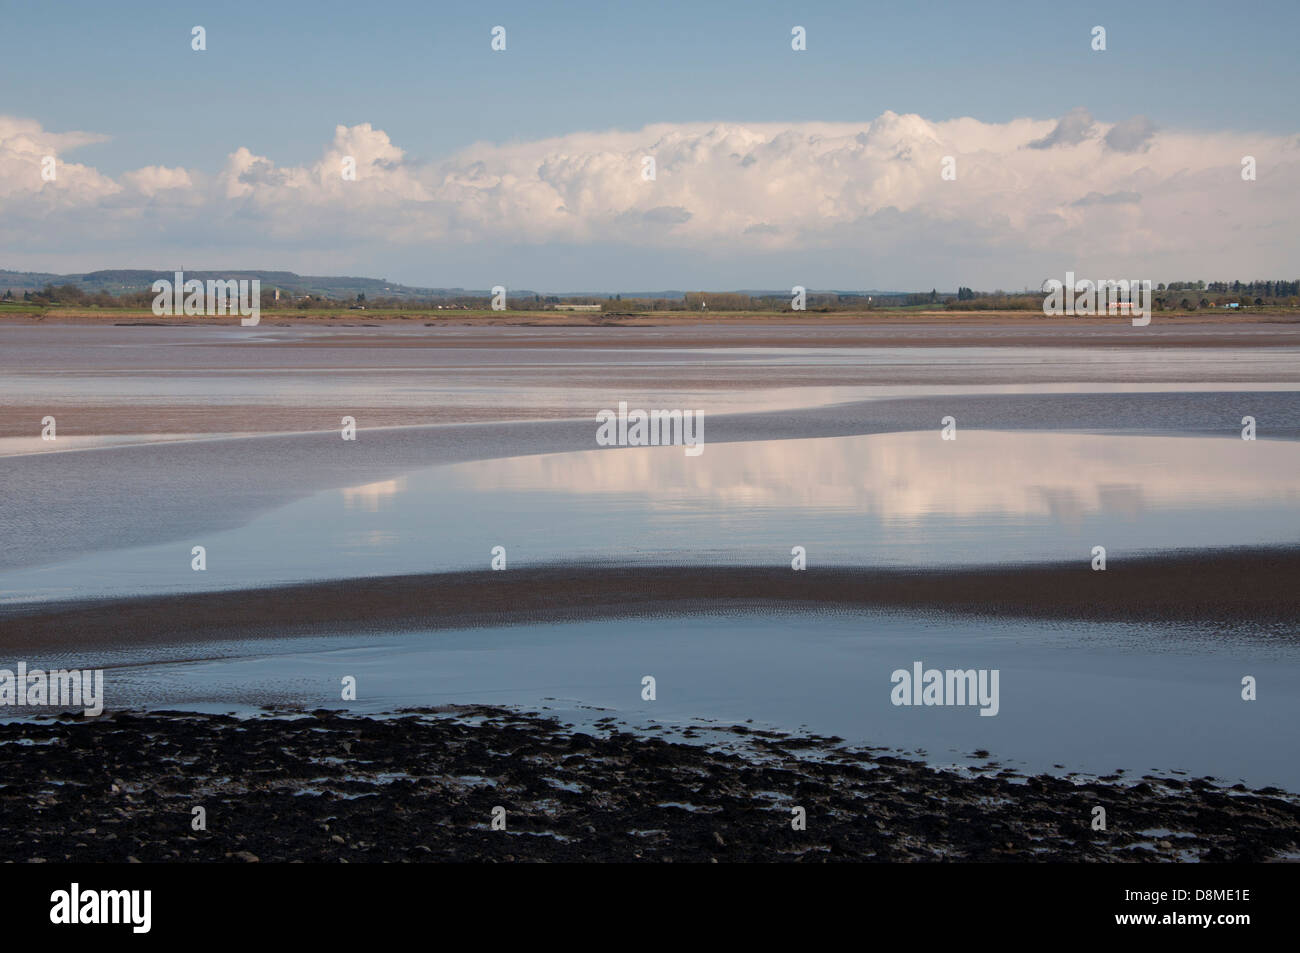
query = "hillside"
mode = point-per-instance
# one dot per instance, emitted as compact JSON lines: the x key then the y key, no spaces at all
{"x":116,"y":282}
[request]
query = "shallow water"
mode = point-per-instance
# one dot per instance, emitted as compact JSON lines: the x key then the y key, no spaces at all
{"x":1092,"y":698}
{"x":899,"y":499}
{"x":1058,"y":450}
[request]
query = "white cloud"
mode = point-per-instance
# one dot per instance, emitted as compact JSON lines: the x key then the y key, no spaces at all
{"x":1029,"y":195}
{"x":23,"y":147}
{"x":153,"y":179}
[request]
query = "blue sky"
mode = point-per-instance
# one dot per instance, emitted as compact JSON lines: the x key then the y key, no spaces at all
{"x":278,"y":78}
{"x":284,"y":74}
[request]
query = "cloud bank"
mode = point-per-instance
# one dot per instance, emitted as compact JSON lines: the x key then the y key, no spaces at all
{"x":1030,"y":198}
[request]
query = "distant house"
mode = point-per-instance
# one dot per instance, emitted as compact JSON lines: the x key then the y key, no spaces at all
{"x":576,"y":307}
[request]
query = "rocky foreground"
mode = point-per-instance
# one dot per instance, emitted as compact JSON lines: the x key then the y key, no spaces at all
{"x":422,"y":786}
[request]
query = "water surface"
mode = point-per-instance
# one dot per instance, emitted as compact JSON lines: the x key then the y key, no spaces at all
{"x":897,"y":499}
{"x":1087,"y":697}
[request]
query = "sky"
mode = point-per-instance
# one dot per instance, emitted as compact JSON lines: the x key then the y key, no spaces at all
{"x":773,"y":167}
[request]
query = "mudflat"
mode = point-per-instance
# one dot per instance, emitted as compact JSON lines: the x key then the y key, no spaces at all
{"x":327,"y":787}
{"x":721,"y":328}
{"x":1240,"y":589}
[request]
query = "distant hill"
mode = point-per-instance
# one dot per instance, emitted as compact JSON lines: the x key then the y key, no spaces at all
{"x":117,"y":281}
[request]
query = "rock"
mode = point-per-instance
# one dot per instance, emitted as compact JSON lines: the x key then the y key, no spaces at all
{"x":247,"y":856}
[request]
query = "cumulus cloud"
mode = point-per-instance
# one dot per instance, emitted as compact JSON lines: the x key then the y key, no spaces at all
{"x":24,"y":146}
{"x":834,"y":192}
{"x":153,"y":179}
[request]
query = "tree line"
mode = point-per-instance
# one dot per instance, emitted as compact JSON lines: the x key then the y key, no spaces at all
{"x":1173,"y":295}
